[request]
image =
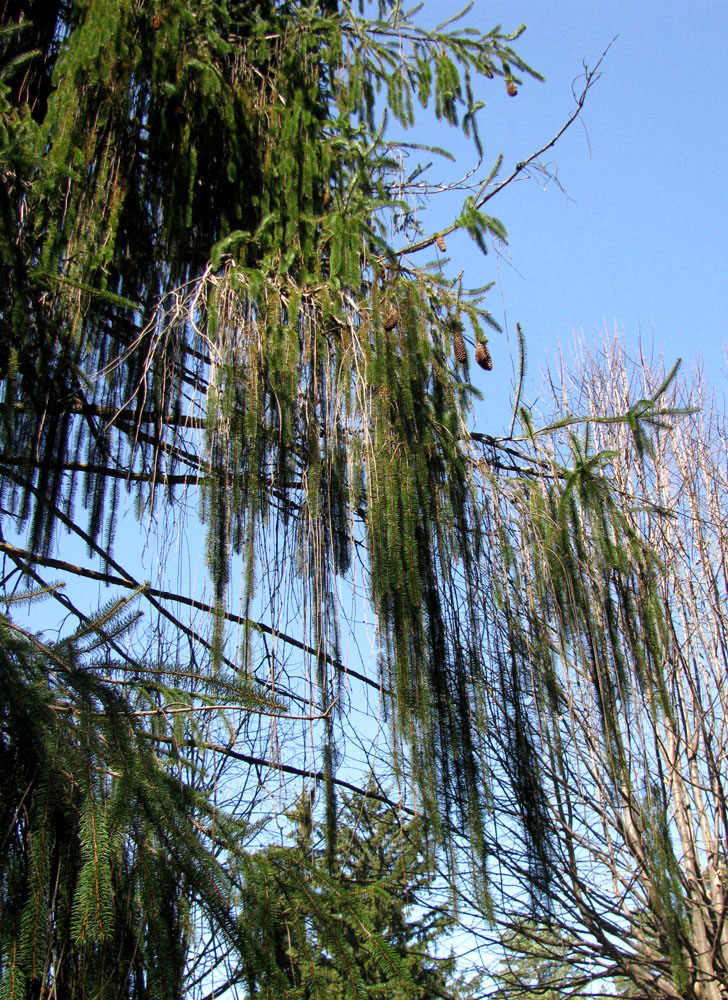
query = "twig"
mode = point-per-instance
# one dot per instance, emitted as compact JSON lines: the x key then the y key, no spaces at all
{"x":590,"y":76}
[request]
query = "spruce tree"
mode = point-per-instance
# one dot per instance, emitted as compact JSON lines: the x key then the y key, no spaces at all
{"x":109,"y":866}
{"x":215,"y":300}
{"x":211,"y":301}
{"x":381,"y":869}
{"x":210,"y":297}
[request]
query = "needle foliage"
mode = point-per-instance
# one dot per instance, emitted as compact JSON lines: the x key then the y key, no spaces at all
{"x":210,"y":306}
{"x":202,"y":286}
{"x":212,"y":311}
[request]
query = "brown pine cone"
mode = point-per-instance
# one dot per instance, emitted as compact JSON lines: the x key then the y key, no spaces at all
{"x":482,"y":356}
{"x":458,"y":345}
{"x":391,"y":319}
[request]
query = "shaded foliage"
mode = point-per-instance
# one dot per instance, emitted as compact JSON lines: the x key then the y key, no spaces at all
{"x":381,"y":865}
{"x":104,"y":853}
{"x":200,"y":288}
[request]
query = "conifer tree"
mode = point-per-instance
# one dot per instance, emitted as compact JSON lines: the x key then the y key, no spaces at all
{"x":212,"y":307}
{"x":210,"y":297}
{"x":381,"y":861}
{"x":121,"y":878}
{"x":109,"y":864}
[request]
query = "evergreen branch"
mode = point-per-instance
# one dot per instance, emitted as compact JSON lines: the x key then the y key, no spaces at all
{"x":99,"y":293}
{"x":521,"y":373}
{"x":117,"y":415}
{"x":187,"y":479}
{"x":641,"y":410}
{"x":28,"y":569}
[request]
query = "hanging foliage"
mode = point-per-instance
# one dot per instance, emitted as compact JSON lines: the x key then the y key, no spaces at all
{"x":201,"y":286}
{"x":611,"y":642}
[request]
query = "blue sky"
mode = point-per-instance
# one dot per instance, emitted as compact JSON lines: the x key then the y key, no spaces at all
{"x":637,"y":239}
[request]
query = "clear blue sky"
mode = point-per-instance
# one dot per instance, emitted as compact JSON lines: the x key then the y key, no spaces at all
{"x":639,"y":238}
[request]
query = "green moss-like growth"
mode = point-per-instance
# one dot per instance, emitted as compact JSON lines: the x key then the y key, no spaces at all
{"x":200,"y":283}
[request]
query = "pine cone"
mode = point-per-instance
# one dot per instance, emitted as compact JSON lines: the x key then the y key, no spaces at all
{"x":458,"y":345}
{"x":440,"y":244}
{"x":391,"y":319}
{"x":511,"y":88}
{"x":482,"y":356}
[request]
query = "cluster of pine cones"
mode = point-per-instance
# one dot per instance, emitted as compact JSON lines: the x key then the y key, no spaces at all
{"x":482,"y":354}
